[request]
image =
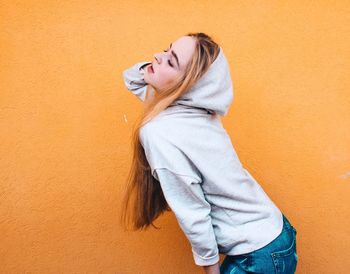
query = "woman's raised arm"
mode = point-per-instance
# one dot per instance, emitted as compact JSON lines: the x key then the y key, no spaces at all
{"x":134,"y":80}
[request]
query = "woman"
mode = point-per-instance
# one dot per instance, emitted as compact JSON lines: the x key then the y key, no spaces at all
{"x":184,"y":161}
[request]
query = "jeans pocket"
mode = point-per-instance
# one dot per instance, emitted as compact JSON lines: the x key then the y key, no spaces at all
{"x":285,"y":261}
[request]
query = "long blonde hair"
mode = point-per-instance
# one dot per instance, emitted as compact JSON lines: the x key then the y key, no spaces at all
{"x":148,"y":199}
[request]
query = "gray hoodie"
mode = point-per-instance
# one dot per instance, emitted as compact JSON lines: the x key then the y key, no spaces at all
{"x":219,"y":206}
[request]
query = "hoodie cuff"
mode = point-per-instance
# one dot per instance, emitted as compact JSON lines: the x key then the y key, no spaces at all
{"x":134,"y":76}
{"x":205,"y":261}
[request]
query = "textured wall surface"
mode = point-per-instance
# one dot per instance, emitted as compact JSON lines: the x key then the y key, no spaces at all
{"x":66,"y":120}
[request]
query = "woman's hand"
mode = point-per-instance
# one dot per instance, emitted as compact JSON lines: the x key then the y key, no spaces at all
{"x":212,"y":269}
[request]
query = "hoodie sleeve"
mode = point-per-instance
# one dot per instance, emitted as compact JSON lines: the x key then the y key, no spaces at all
{"x":134,"y":81}
{"x":185,"y":197}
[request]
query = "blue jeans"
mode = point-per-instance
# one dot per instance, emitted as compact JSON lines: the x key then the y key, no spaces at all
{"x":279,"y":256}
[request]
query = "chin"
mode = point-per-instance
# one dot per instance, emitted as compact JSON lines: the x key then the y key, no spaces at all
{"x":148,"y":80}
{"x":145,"y":78}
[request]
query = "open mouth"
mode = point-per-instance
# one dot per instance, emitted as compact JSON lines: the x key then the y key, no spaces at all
{"x":150,"y":69}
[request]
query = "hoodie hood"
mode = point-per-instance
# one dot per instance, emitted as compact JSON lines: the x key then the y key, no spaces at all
{"x":213,"y":91}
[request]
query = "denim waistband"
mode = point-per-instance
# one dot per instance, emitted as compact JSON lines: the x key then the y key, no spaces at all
{"x":286,"y":222}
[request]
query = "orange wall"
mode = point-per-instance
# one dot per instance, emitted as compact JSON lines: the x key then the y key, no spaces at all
{"x":66,"y":120}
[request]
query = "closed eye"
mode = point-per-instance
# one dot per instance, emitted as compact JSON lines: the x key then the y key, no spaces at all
{"x":169,"y":60}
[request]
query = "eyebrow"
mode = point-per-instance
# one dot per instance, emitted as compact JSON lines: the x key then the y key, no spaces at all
{"x":173,"y":53}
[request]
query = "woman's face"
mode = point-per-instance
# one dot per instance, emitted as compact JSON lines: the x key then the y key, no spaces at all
{"x":170,"y":64}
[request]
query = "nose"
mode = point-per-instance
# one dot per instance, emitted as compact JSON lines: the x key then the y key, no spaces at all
{"x":158,"y":57}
